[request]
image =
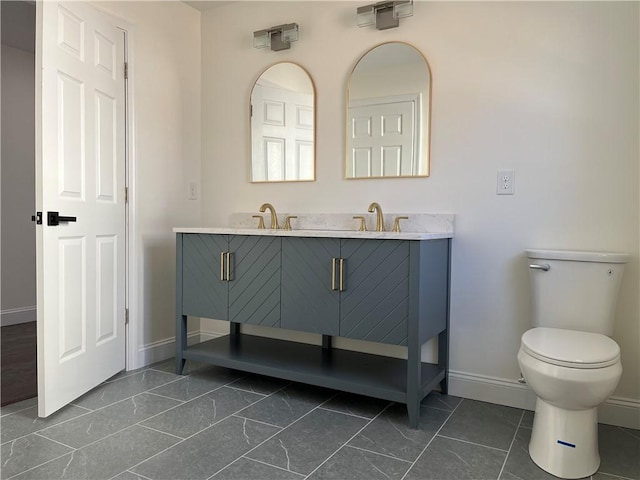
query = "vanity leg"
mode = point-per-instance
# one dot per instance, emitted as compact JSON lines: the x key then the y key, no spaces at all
{"x":326,"y":342}
{"x":413,"y":410}
{"x":234,"y":330}
{"x":443,"y":360}
{"x":443,"y":337}
{"x":414,"y":389}
{"x":181,"y":320}
{"x":414,"y":383}
{"x":181,"y":342}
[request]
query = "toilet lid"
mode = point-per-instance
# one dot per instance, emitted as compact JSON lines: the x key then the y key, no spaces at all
{"x":570,"y":348}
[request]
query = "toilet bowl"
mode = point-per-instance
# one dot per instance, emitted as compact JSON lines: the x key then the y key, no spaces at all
{"x":571,"y":375}
{"x":568,"y":359}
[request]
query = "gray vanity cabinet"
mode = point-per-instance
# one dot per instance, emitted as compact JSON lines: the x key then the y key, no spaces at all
{"x":232,"y":277}
{"x":379,"y":290}
{"x":310,"y":296}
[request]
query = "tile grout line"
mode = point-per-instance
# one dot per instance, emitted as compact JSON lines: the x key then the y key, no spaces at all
{"x":378,"y":453}
{"x":515,"y":434}
{"x":48,"y":426}
{"x":39,"y":432}
{"x":269,"y":465}
{"x":143,"y":372}
{"x":200,"y":431}
{"x":230,"y":385}
{"x":257,"y":421}
{"x":16,"y":411}
{"x":136,"y":474}
{"x":350,"y":438}
{"x":431,"y":440}
{"x":474,"y":443}
{"x":159,"y":431}
{"x":184,"y":402}
{"x":345,"y":413}
{"x":282,"y":429}
{"x":54,"y":441}
{"x":37,"y":466}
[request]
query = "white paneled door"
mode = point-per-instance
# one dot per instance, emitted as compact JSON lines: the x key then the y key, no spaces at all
{"x":80,"y":174}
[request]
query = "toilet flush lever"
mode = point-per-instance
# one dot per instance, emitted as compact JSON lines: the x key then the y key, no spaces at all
{"x":544,"y":266}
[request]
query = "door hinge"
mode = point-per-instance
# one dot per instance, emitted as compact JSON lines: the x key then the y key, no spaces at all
{"x":126,"y":316}
{"x":251,"y":111}
{"x":126,"y":194}
{"x":126,"y":70}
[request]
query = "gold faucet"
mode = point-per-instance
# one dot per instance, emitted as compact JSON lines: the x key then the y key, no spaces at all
{"x":274,"y":217}
{"x":375,"y":207}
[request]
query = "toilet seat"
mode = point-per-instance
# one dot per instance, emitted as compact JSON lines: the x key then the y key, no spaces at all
{"x":570,"y":348}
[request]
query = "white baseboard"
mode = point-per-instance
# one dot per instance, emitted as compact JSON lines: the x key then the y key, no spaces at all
{"x":622,"y":412}
{"x":163,"y":349}
{"x":15,"y":316}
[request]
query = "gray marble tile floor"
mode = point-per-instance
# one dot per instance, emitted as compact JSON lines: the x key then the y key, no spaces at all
{"x":221,"y":424}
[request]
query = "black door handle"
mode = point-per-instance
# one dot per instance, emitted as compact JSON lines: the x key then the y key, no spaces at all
{"x":53,"y":219}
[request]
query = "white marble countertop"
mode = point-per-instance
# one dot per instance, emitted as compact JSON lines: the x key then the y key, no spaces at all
{"x":317,"y":233}
{"x":418,"y":226}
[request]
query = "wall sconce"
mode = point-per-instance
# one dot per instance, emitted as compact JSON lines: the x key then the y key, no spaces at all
{"x":385,"y":14}
{"x":278,"y":38}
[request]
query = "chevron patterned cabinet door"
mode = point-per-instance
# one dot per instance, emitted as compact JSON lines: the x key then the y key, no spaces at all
{"x":204,"y":293}
{"x":254,"y":283}
{"x":308,"y":302}
{"x":375,"y":303}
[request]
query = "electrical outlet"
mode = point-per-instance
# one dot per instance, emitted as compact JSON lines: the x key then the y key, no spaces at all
{"x":506,"y":182}
{"x":193,"y":191}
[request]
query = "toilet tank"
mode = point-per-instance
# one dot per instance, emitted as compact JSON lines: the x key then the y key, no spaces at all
{"x":578,"y":291}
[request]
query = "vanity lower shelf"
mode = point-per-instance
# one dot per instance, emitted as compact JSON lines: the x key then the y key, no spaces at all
{"x":361,"y":373}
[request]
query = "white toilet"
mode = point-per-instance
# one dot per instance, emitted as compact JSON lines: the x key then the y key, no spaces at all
{"x":567,"y":358}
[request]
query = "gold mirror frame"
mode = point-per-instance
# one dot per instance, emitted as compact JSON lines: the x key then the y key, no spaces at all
{"x":386,"y":99}
{"x":287,"y":131}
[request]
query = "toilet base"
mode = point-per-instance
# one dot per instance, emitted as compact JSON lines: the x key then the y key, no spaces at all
{"x":565,"y":442}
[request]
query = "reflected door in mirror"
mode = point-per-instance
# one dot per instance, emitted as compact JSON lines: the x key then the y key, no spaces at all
{"x":282,"y":125}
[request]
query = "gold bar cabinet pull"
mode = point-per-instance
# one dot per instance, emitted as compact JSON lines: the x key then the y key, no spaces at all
{"x":222,"y":266}
{"x":342,"y":274}
{"x":333,"y":273}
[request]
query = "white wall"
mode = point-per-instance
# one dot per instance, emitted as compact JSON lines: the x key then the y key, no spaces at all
{"x":547,"y":89}
{"x":18,"y":180}
{"x":165,"y":93}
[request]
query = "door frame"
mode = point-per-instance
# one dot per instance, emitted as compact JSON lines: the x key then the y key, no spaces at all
{"x":132,"y":327}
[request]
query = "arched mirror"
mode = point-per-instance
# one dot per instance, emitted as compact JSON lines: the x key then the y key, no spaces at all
{"x":388,"y":114}
{"x":283,"y":125}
